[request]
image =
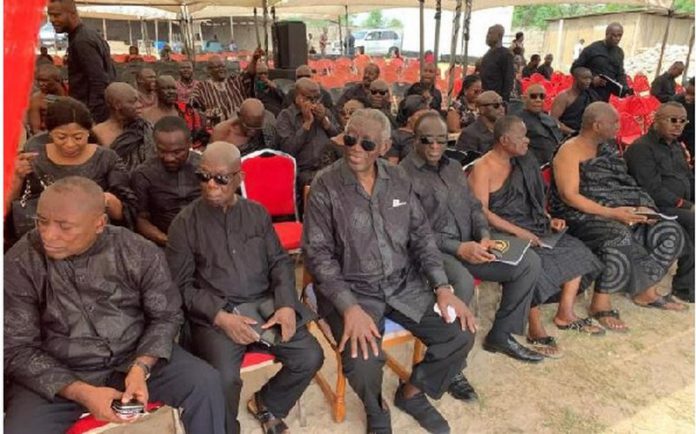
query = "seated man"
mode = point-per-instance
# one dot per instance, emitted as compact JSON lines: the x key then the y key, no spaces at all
{"x":91,"y":314}
{"x":570,"y":104}
{"x":545,"y":68}
{"x":50,"y":88}
{"x":128,"y":134}
{"x":479,"y":135}
{"x":304,"y":130}
{"x":542,"y":130}
{"x":664,"y":86}
{"x":166,"y":183}
{"x":532,"y":66}
{"x":508,"y":183}
{"x":246,"y":130}
{"x":304,"y":71}
{"x":146,"y":82}
{"x":186,"y":83}
{"x":360,"y":91}
{"x":366,"y":241}
{"x":463,"y":237}
{"x":380,"y":99}
{"x":600,"y":201}
{"x":166,"y":100}
{"x":658,"y":163}
{"x":427,"y":87}
{"x":403,"y":139}
{"x":687,"y":100}
{"x":267,"y":91}
{"x":223,"y":252}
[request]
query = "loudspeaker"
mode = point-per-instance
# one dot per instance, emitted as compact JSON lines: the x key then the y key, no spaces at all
{"x":288,"y":74}
{"x":290,"y":42}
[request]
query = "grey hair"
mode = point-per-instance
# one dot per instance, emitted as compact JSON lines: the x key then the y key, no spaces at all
{"x":371,"y":115}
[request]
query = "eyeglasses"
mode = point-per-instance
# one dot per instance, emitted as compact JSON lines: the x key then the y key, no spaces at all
{"x":429,"y":140}
{"x":541,"y":96}
{"x":219,"y":179}
{"x":495,"y":105}
{"x":380,"y":92}
{"x":367,"y":145}
{"x":303,"y":76}
{"x":681,"y":121}
{"x":250,"y":127}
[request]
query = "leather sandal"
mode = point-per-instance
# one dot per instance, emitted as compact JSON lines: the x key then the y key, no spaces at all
{"x":269,"y":422}
{"x":613,"y":313}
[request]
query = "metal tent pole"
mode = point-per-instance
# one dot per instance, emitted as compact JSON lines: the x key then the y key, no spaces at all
{"x":422,"y":30}
{"x":256,"y":27}
{"x":438,"y":16}
{"x":453,"y":50}
{"x":340,"y":34}
{"x":265,"y":26}
{"x":670,"y":14}
{"x":465,"y":36}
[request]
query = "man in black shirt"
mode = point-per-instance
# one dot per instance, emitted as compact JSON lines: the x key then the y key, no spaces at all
{"x":427,"y":87}
{"x":542,"y":130}
{"x":267,"y":91}
{"x":687,"y":100}
{"x":664,"y":86}
{"x":532,"y":66}
{"x":360,"y":91}
{"x":224,"y":253}
{"x":545,"y":69}
{"x":90,"y":68}
{"x":91,"y":314}
{"x":606,"y":58}
{"x":657,"y":162}
{"x":497,"y":69}
{"x":479,"y":135}
{"x":166,"y":183}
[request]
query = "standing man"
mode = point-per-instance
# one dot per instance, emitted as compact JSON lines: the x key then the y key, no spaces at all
{"x":350,"y":44}
{"x":545,"y":69}
{"x":606,"y":58}
{"x":323,"y":41}
{"x":186,"y":82}
{"x":664,"y":86}
{"x":542,"y":130}
{"x":479,"y":135}
{"x":146,"y":83}
{"x":167,"y":182}
{"x":497,"y":69}
{"x":570,"y":104}
{"x":532,"y":66}
{"x":90,"y":68}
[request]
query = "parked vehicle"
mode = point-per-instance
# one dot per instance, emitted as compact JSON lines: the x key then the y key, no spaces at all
{"x":50,"y":39}
{"x":378,"y":41}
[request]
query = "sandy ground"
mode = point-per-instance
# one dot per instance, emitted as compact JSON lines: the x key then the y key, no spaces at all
{"x":641,"y":382}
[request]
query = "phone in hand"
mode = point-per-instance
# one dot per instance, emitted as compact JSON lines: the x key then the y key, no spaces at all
{"x":130,"y":409}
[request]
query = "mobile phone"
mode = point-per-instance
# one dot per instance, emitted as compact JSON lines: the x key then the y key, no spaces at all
{"x":129,"y":409}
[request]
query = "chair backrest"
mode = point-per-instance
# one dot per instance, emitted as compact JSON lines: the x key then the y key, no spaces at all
{"x":270,"y":180}
{"x":546,"y":174}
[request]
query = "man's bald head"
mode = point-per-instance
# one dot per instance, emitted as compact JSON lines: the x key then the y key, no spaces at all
{"x":582,"y":78}
{"x":251,"y":114}
{"x":165,"y":80}
{"x":596,"y":111}
{"x":252,"y":107}
{"x":303,"y":71}
{"x":495,"y":34}
{"x":613,"y":34}
{"x":63,"y":15}
{"x":261,"y":67}
{"x":146,"y":80}
{"x":490,"y":105}
{"x":305,"y":85}
{"x":117,"y":92}
{"x":534,"y":98}
{"x":216,"y":68}
{"x":82,"y":193}
{"x":222,"y":153}
{"x":379,"y":85}
{"x":670,"y":120}
{"x":601,"y":120}
{"x":370,"y":74}
{"x":48,"y":72}
{"x":488,"y":97}
{"x":123,"y":102}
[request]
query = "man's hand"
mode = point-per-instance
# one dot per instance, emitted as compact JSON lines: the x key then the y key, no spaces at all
{"x":97,"y":400}
{"x":307,"y":115}
{"x":285,"y":317}
{"x":236,"y":327}
{"x":258,"y":53}
{"x":361,"y":330}
{"x":558,"y":225}
{"x":598,"y":81}
{"x":474,"y":253}
{"x":136,"y":386}
{"x":527,"y":235}
{"x":627,"y":215}
{"x":319,"y":111}
{"x":445,"y":298}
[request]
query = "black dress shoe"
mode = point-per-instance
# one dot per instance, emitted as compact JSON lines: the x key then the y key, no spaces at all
{"x":461,"y":389}
{"x":684,"y":294}
{"x":420,"y":409}
{"x":380,"y":423}
{"x":513,"y":349}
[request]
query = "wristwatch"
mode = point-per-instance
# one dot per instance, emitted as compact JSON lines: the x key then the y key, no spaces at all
{"x":447,"y":285}
{"x":144,"y":366}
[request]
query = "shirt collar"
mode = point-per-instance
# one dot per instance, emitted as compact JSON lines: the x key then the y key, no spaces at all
{"x":350,"y":178}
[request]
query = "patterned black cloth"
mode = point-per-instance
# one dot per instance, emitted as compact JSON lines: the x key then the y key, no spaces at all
{"x":135,"y":144}
{"x":635,"y":258}
{"x":521,"y":201}
{"x":83,"y":317}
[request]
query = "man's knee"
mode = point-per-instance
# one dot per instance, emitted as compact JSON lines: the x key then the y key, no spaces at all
{"x":460,"y":278}
{"x":531,"y":263}
{"x":359,"y":368}
{"x":311,"y":360}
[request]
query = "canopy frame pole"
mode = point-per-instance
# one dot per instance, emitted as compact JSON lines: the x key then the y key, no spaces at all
{"x":421,"y":7}
{"x":670,"y":14}
{"x":171,"y":43}
{"x":231,"y":29}
{"x":438,"y":16}
{"x":256,"y":27}
{"x":265,"y":26}
{"x":104,"y":29}
{"x":347,"y":30}
{"x":685,"y":75}
{"x":130,"y":33}
{"x":453,"y":49}
{"x":465,"y":37}
{"x":156,"y":32}
{"x":274,"y":21}
{"x":340,"y":33}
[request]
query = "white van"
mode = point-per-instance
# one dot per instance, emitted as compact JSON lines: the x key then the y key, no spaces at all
{"x":377,"y":41}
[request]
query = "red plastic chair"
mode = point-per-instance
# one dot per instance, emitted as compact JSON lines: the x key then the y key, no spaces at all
{"x":270,"y":180}
{"x":88,"y":423}
{"x":629,"y":131}
{"x":640,"y":83}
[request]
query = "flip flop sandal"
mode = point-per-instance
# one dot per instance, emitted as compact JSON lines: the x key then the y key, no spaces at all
{"x":546,"y":346}
{"x":613,"y":313}
{"x":269,"y":422}
{"x":583,"y":325}
{"x":661,"y":303}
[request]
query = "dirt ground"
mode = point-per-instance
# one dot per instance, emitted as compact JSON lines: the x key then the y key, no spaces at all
{"x":640,"y":382}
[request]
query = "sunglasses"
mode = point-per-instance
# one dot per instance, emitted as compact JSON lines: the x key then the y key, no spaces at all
{"x":680,"y":121}
{"x":429,"y":140}
{"x":495,"y":105}
{"x":303,"y":76}
{"x":219,"y":179}
{"x":251,"y":127}
{"x":367,"y":145}
{"x":541,"y":96}
{"x":380,"y":92}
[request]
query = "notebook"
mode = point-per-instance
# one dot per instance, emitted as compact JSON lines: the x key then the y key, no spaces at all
{"x":654,"y":215}
{"x":550,"y":241}
{"x":262,"y":310}
{"x":509,"y":249}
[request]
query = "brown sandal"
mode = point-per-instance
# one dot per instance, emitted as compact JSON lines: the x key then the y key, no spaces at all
{"x":269,"y":422}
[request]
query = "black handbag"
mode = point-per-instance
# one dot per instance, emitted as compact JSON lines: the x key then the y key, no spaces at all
{"x":24,"y":209}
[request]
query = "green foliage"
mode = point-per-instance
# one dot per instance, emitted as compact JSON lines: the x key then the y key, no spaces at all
{"x":684,"y":6}
{"x":374,"y":19}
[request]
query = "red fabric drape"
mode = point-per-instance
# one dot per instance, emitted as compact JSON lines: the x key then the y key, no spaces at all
{"x":22,"y":21}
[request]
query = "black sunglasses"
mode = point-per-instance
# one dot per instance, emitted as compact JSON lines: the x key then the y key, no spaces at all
{"x":429,"y":140}
{"x":380,"y":92}
{"x":681,"y":121}
{"x":367,"y":145}
{"x":495,"y":105}
{"x":541,"y":96}
{"x":303,"y":76}
{"x":219,"y":179}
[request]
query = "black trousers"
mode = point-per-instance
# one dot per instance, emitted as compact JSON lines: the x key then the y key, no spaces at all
{"x":684,"y":279}
{"x":301,"y":358}
{"x":518,"y":281}
{"x":447,"y":347}
{"x":185,"y":382}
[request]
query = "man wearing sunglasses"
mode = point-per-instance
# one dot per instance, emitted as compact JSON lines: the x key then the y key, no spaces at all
{"x":305,"y":129}
{"x":542,"y":130}
{"x":370,"y":250}
{"x":658,"y":162}
{"x":478,"y":136}
{"x":360,"y":91}
{"x":249,"y":130}
{"x":426,"y":87}
{"x":570,"y":104}
{"x":380,"y":99}
{"x":224,"y":253}
{"x":686,"y":99}
{"x":304,"y":71}
{"x":266,"y":90}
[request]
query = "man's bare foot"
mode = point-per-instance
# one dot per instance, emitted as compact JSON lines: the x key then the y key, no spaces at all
{"x":582,"y":325}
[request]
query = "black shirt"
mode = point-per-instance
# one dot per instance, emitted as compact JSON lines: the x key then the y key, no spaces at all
{"x":83,"y":317}
{"x":527,"y":71}
{"x":435,"y":94}
{"x":661,"y":169}
{"x":476,"y":137}
{"x":402,"y":144}
{"x":602,"y":59}
{"x":306,"y":146}
{"x":545,"y":70}
{"x":90,"y":70}
{"x":543,"y":133}
{"x":162,"y":194}
{"x":219,"y":257}
{"x":497,"y":71}
{"x":688,"y":133}
{"x":271,"y":97}
{"x":663,"y":87}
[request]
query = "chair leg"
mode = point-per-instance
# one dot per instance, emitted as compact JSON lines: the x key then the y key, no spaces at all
{"x":418,"y":351}
{"x":478,"y":301}
{"x":340,"y":401}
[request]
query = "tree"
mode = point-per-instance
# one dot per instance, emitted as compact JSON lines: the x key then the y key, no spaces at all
{"x":374,"y":19}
